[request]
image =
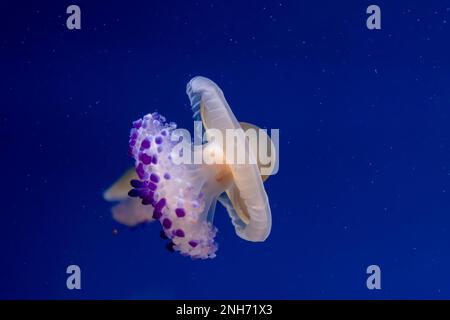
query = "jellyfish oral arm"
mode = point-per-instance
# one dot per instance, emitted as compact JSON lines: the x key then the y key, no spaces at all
{"x":183,"y":195}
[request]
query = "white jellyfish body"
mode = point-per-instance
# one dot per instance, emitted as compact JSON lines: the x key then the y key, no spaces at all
{"x":246,"y":193}
{"x":184,"y":195}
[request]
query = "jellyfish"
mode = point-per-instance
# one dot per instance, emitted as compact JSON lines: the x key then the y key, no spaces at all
{"x":182,"y":197}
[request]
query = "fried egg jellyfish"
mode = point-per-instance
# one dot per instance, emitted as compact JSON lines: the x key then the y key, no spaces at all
{"x":184,"y":195}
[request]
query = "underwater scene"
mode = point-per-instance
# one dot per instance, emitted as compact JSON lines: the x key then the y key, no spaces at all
{"x":167,"y":150}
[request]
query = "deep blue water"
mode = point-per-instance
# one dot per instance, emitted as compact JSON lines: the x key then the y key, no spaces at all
{"x":364,"y":144}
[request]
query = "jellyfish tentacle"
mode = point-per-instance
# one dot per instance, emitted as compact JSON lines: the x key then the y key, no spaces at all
{"x":184,"y":204}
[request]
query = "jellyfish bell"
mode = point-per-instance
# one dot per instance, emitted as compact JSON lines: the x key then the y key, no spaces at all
{"x":264,"y":149}
{"x":246,"y":192}
{"x":184,"y":195}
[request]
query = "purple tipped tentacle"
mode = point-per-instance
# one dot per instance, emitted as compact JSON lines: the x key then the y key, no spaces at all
{"x":186,"y":226}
